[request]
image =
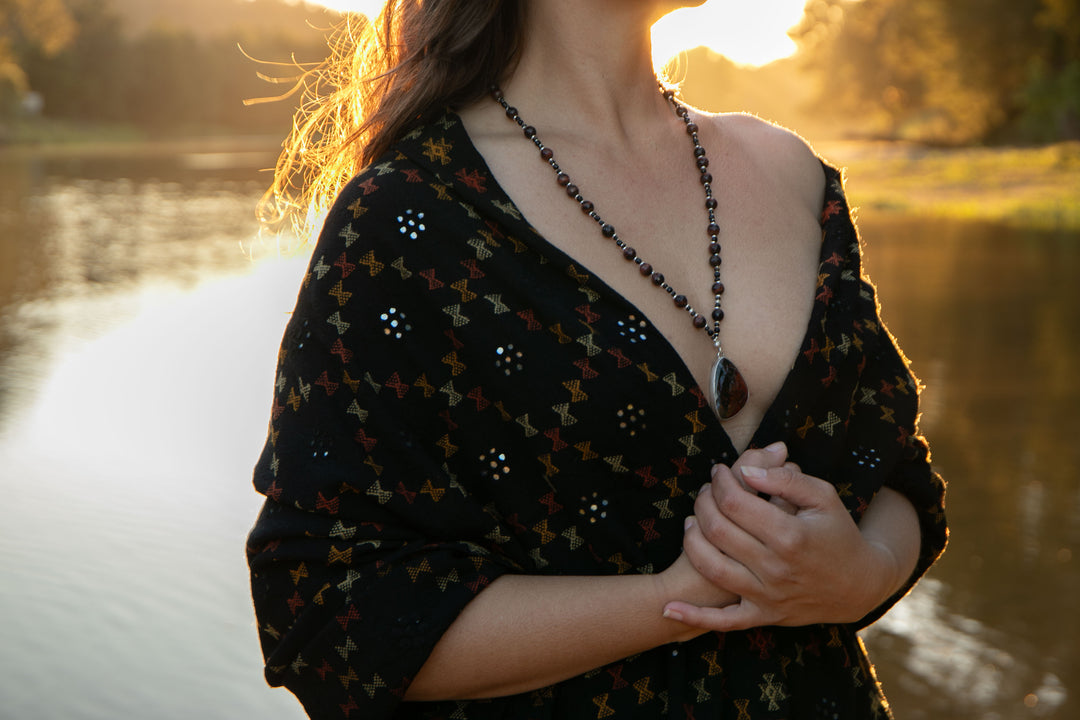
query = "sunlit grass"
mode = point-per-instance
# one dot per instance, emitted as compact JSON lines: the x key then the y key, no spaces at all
{"x":1030,"y":187}
{"x":51,"y":132}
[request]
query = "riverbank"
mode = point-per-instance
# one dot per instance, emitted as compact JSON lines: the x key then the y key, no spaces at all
{"x":1035,"y":187}
{"x":52,"y":138}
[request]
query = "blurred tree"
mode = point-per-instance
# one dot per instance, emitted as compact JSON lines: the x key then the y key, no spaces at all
{"x":171,"y":75}
{"x":44,"y":24}
{"x":949,"y":71}
{"x":1051,"y":97}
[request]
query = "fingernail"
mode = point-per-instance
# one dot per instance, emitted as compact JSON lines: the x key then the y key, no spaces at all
{"x":673,"y":615}
{"x":750,"y":471}
{"x":688,"y":522}
{"x":776,"y":447}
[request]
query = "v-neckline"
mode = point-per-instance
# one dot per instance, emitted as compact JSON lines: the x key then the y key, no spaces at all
{"x":766,"y":430}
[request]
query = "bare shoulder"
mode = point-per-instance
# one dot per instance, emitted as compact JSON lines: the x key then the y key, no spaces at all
{"x":778,"y":153}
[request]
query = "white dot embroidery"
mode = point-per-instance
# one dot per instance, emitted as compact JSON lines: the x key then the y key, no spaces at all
{"x":494,"y":464}
{"x":508,"y":359}
{"x":631,"y":419}
{"x":633,"y":329}
{"x":866,"y":458}
{"x":394,"y":324}
{"x":411,"y":224}
{"x":593,"y":507}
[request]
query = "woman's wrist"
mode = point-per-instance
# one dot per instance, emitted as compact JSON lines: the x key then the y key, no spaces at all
{"x":681,"y":582}
{"x":890,"y":576}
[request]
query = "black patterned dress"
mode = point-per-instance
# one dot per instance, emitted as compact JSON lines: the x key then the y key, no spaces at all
{"x":457,"y":399}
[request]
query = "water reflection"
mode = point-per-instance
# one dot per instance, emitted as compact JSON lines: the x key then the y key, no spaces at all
{"x":136,"y":351}
{"x":990,"y":318}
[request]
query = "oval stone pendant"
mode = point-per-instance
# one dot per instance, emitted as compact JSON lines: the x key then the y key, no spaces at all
{"x":728,"y":388}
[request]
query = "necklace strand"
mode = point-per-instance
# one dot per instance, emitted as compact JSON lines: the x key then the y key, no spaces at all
{"x":727,"y":387}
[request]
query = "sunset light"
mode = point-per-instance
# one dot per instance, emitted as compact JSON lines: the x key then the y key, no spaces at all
{"x":245,"y":438}
{"x":745,"y":33}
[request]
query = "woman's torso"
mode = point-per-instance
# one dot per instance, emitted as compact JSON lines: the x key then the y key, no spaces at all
{"x":769,"y":187}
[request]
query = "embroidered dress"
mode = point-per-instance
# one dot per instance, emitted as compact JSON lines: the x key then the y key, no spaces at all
{"x":456,"y":399}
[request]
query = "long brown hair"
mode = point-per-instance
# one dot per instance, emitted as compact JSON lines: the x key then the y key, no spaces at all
{"x":379,"y":81}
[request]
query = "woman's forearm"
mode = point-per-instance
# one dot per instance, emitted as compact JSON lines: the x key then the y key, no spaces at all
{"x":526,"y":632}
{"x":891,"y":524}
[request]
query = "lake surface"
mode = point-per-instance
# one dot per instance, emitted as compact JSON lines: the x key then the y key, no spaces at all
{"x":137,"y":344}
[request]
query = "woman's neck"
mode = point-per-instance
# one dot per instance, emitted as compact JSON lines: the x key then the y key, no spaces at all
{"x":588,"y":63}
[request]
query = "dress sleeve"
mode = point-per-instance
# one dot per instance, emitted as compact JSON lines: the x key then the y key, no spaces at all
{"x":886,"y":408}
{"x":368,"y":546}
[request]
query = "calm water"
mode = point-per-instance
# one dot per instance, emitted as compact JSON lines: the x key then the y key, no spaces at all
{"x":136,"y":350}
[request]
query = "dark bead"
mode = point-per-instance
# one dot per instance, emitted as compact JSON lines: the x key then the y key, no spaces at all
{"x":530,"y":131}
{"x":680,"y":301}
{"x":711,"y":204}
{"x":703,"y":162}
{"x":587,"y":207}
{"x":546,"y":154}
{"x":657,"y":278}
{"x":629,"y":253}
{"x":699,"y":151}
{"x":714,"y":229}
{"x":700,"y":322}
{"x":645,"y":268}
{"x":715,"y":261}
{"x":706,"y":178}
{"x":563,"y":179}
{"x":718,"y":288}
{"x":691,"y":128}
{"x":608,"y":230}
{"x":717,"y":314}
{"x":511,"y":112}
{"x":572,"y":190}
{"x":714,"y":248}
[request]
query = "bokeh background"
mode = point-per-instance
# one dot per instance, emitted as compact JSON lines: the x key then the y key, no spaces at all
{"x":140,"y":312}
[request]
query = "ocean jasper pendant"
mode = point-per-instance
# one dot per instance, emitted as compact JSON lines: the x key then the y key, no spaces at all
{"x":728,"y":388}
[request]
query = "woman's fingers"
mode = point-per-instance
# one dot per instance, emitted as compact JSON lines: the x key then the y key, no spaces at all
{"x":716,"y":566}
{"x":771,"y":456}
{"x":755,"y":515}
{"x":790,"y":484}
{"x":740,"y":616}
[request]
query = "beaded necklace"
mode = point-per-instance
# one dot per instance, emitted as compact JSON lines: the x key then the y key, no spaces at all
{"x":728,"y":392}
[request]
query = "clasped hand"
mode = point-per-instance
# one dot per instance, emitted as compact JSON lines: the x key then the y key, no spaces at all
{"x":795,"y":557}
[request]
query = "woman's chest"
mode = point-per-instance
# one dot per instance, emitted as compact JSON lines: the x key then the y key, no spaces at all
{"x":770,"y":250}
